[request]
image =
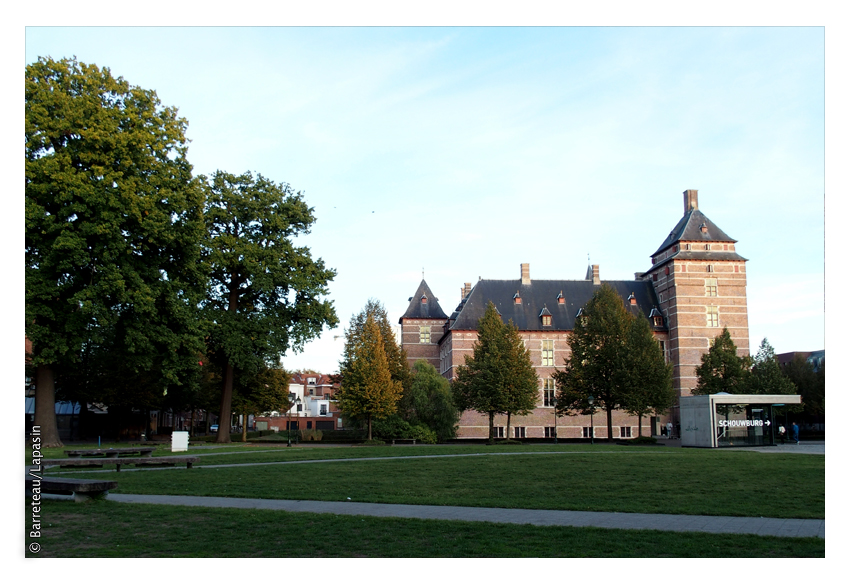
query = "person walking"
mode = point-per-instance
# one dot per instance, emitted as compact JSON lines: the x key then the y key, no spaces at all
{"x":782,"y":433}
{"x":795,"y":432}
{"x":669,"y":429}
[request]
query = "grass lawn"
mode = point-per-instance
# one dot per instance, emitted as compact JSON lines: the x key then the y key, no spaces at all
{"x":571,"y":477}
{"x":109,"y":529}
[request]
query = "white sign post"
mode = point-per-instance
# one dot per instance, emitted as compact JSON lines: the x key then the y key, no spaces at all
{"x":179,"y":441}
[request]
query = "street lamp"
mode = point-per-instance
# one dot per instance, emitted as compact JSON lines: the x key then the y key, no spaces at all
{"x":289,"y":422}
{"x":555,"y":408}
{"x":590,"y":400}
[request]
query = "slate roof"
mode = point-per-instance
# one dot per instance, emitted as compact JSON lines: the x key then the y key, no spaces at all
{"x":543,"y":294}
{"x":688,"y":229}
{"x":428,"y":309}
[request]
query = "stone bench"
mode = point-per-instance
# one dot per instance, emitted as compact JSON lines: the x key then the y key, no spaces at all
{"x":109,"y":452}
{"x":404,"y":441}
{"x":118,"y":462}
{"x":82,"y":489}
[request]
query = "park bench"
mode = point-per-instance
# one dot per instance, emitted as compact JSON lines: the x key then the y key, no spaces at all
{"x":109,"y":452}
{"x":82,"y":489}
{"x":119,"y":462}
{"x":404,"y":441}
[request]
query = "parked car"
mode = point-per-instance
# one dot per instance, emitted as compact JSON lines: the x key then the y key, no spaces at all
{"x":214,"y":428}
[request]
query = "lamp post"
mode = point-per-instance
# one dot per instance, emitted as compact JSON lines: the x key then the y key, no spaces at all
{"x":289,"y":422}
{"x":590,"y":400}
{"x":555,"y":408}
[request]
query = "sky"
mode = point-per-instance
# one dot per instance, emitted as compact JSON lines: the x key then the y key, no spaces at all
{"x":462,"y":152}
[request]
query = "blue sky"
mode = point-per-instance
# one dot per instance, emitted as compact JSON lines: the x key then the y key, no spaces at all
{"x":467,"y":151}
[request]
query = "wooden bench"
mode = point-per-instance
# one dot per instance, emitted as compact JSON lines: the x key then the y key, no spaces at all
{"x":109,"y":452}
{"x":404,"y":441}
{"x":82,"y":489}
{"x":118,"y":462}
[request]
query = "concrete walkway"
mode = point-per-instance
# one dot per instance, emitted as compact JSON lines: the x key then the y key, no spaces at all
{"x":699,"y":523}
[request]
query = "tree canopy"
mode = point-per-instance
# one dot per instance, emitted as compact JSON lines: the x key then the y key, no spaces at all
{"x":265,"y":294}
{"x":429,"y":402}
{"x":367,"y":390}
{"x":499,"y":377}
{"x":113,"y":220}
{"x":766,"y":376}
{"x":614,"y":358}
{"x":721,"y":369}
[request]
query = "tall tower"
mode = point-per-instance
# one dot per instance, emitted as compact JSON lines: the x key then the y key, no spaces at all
{"x":701,"y":284}
{"x":422,"y":325}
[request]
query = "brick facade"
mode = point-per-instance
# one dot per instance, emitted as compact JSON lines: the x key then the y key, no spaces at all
{"x":695,"y":287}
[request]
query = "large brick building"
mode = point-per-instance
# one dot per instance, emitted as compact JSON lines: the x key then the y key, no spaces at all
{"x":695,"y":287}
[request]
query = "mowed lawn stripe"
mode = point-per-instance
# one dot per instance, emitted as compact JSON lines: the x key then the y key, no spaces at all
{"x":687,"y":482}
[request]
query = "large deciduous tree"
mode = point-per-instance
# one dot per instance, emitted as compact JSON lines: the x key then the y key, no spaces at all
{"x":721,"y":369}
{"x":808,"y":383}
{"x":650,"y":377}
{"x":113,"y":221}
{"x":613,"y":358}
{"x":266,"y":294}
{"x":498,"y":378}
{"x":367,"y":390}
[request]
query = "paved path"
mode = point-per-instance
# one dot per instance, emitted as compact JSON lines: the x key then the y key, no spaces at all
{"x":700,"y":523}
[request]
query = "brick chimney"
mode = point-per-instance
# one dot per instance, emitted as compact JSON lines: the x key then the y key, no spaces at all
{"x":467,"y":288}
{"x":596,"y":274}
{"x":526,"y":274}
{"x":690,"y":200}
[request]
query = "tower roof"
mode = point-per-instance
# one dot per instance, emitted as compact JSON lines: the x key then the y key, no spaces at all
{"x":423,"y":304}
{"x":694,"y":226}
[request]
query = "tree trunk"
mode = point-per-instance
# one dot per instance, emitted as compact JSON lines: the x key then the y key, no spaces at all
{"x":45,"y":408}
{"x":245,"y":426}
{"x":192,"y":424}
{"x":508,"y":428}
{"x":609,"y":411}
{"x":369,"y":424}
{"x":640,"y":427}
{"x":492,"y":414}
{"x":223,"y":435}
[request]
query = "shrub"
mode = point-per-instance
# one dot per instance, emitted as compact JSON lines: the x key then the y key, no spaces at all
{"x":373,"y":442}
{"x":311,"y":435}
{"x":644,"y":440}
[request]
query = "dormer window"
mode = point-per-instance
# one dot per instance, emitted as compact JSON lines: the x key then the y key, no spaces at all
{"x":517,"y":299}
{"x":632,"y":299}
{"x":703,"y":228}
{"x":545,"y":317}
{"x":561,"y":299}
{"x":424,"y":299}
{"x":656,"y":318}
{"x":547,"y":320}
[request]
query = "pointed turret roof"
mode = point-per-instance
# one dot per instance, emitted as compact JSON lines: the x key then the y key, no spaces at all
{"x":694,"y":226}
{"x":423,"y":304}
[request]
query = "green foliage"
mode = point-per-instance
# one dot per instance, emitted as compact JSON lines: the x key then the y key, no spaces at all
{"x":311,"y":435}
{"x":808,"y":384}
{"x":367,"y":390}
{"x":265,"y":294}
{"x":498,"y":378}
{"x":396,"y":356}
{"x":614,"y":358}
{"x":650,"y":385}
{"x":395,"y":427}
{"x":113,"y":221}
{"x":643,"y":440}
{"x":721,"y":369}
{"x":429,"y":402}
{"x":766,"y":376}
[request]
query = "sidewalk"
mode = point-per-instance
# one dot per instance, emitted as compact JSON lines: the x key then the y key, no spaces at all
{"x":700,"y":523}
